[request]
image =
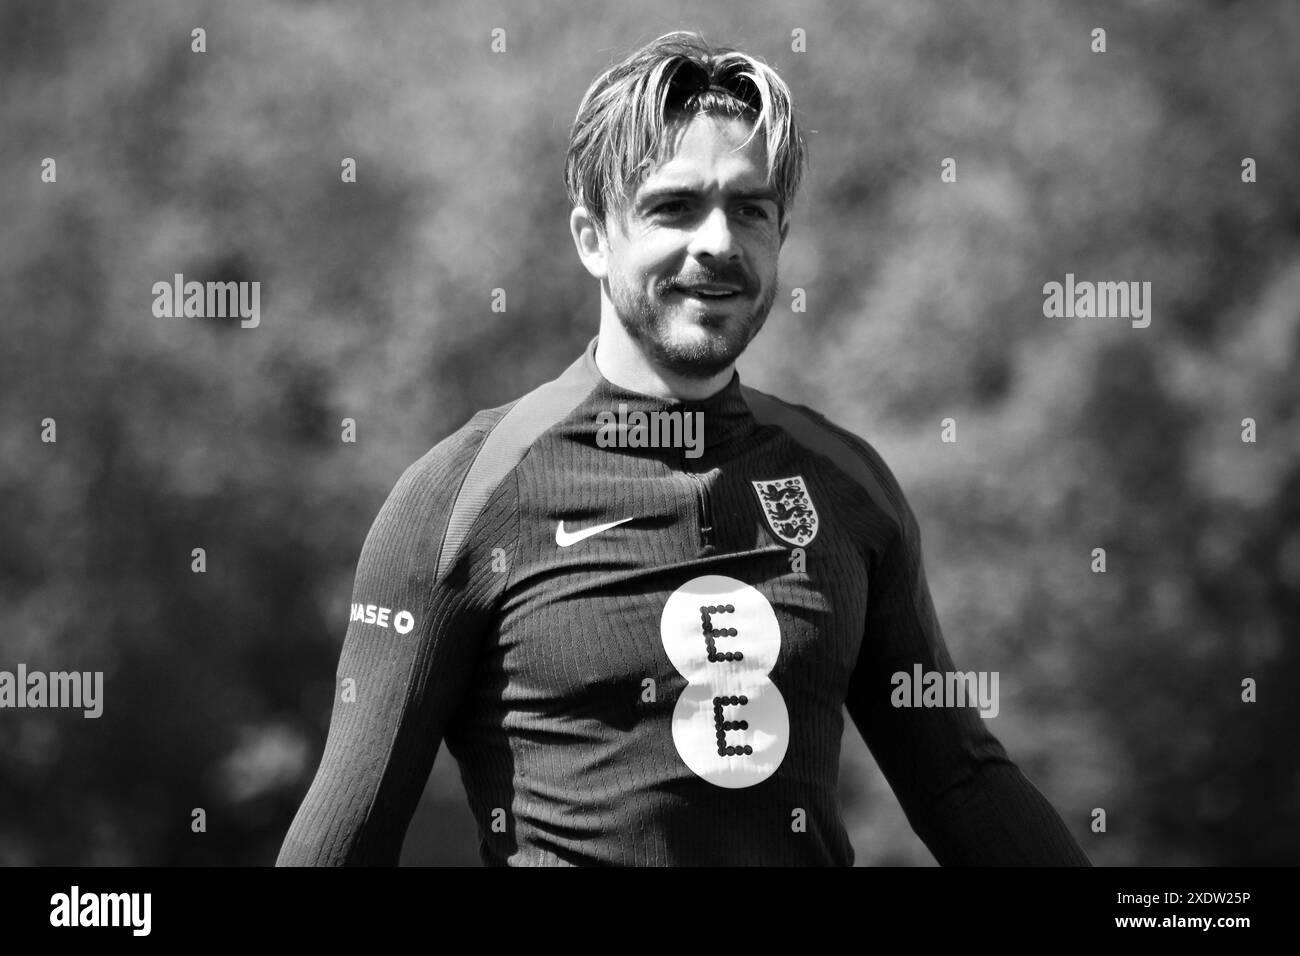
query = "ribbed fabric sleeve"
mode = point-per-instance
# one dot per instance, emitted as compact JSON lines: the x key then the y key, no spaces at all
{"x":395,"y":692}
{"x":965,"y":798}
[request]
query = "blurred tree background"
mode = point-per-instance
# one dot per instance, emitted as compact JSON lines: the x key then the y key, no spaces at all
{"x":1119,"y":690}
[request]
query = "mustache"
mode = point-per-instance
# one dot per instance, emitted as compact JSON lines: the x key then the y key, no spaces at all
{"x":732,"y":277}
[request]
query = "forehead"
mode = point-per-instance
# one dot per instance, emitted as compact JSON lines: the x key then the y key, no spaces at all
{"x":709,"y":152}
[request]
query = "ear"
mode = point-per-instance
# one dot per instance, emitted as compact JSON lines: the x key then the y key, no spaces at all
{"x":592,"y":245}
{"x":785,"y":230}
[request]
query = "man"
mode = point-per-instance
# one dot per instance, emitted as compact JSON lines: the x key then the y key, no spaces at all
{"x":635,"y":602}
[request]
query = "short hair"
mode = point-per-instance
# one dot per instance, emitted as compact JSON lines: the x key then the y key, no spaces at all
{"x":619,"y":131}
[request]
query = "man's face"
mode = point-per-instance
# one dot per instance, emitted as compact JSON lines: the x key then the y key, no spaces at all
{"x":692,"y":266}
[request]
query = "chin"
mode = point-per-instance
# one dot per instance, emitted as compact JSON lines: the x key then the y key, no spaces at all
{"x":701,"y":347}
{"x":691,"y":342}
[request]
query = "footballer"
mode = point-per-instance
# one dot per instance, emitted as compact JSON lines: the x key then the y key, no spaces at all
{"x":636,"y":602}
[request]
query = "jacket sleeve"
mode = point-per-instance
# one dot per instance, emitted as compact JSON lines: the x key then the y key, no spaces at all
{"x":410,"y":648}
{"x":962,"y":794}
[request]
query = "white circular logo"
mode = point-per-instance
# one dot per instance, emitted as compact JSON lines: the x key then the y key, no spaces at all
{"x":403,"y":621}
{"x":730,"y":724}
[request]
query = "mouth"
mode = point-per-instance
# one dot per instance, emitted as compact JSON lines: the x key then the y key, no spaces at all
{"x":709,"y":292}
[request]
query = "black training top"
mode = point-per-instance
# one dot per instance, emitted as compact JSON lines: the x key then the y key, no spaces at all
{"x":639,"y":647}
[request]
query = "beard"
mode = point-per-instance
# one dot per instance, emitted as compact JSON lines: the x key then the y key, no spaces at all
{"x":677,"y":337}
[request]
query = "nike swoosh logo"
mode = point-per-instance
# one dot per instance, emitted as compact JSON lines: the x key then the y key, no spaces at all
{"x":565,"y":538}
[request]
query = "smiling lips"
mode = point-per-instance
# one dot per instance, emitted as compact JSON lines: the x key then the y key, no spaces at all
{"x":709,"y":290}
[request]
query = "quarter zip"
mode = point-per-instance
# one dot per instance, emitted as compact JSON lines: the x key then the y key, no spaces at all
{"x":705,"y":512}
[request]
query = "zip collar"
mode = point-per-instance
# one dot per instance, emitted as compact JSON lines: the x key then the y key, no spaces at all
{"x":715,"y":423}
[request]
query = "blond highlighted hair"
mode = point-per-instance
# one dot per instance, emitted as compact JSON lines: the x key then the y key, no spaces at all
{"x":619,"y":132}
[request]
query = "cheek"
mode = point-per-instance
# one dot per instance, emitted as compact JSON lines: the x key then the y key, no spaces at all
{"x":656,"y":253}
{"x":765,"y":256}
{"x":648,"y":271}
{"x":766,"y":243}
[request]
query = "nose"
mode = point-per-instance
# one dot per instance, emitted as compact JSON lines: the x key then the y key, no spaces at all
{"x":713,"y":239}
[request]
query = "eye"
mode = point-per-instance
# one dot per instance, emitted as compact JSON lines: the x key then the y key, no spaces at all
{"x":671,"y":206}
{"x":755,"y":211}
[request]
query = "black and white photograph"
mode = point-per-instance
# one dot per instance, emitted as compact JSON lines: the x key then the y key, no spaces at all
{"x":860,"y":433}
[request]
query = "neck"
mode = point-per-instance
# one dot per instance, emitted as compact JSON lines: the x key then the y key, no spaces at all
{"x":621,"y":360}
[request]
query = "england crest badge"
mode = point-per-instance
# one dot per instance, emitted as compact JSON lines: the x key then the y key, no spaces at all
{"x":788,"y":508}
